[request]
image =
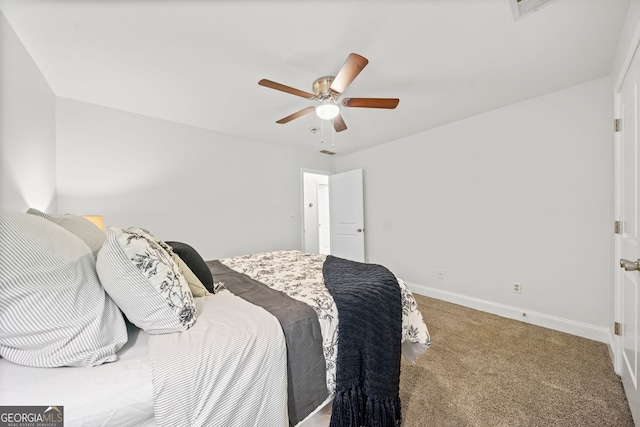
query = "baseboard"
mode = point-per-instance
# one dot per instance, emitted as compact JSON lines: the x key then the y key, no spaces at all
{"x":580,"y":329}
{"x":611,"y":343}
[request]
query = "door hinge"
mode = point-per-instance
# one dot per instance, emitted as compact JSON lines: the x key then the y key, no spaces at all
{"x":616,"y":328}
{"x":617,"y":125}
{"x":617,"y":227}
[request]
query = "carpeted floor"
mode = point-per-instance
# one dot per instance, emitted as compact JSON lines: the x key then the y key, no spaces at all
{"x":485,"y":370}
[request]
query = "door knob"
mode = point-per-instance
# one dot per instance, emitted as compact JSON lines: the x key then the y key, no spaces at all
{"x":360,"y":230}
{"x":630,"y":265}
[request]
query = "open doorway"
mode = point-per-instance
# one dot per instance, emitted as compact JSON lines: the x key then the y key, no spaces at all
{"x":333,"y":213}
{"x":315,"y":212}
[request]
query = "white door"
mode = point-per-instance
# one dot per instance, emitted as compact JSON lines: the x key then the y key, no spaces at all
{"x":347,"y":215}
{"x":627,"y":240}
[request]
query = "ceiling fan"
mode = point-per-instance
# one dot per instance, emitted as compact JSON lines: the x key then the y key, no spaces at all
{"x":328,"y":89}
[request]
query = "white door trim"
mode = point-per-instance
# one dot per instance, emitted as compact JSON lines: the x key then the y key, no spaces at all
{"x":626,"y":242}
{"x":617,"y":306}
{"x":628,"y":56}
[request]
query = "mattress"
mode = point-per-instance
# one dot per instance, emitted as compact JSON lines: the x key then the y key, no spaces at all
{"x":111,"y":394}
{"x":219,"y":369}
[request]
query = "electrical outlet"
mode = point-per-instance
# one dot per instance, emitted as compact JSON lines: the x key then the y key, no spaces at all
{"x":517,"y":288}
{"x":440,"y":274}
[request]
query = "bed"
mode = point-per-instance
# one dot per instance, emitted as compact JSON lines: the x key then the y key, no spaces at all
{"x":125,"y":329}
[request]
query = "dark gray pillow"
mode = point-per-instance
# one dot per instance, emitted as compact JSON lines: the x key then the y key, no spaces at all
{"x":194,"y":261}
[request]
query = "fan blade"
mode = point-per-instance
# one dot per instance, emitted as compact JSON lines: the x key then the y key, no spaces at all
{"x":295,"y":115}
{"x":338,"y":123}
{"x":288,"y":89}
{"x":349,"y":71}
{"x":371,"y":102}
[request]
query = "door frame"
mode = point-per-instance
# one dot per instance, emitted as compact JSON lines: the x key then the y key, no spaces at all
{"x":617,"y":195}
{"x":618,"y":274}
{"x":631,"y":45}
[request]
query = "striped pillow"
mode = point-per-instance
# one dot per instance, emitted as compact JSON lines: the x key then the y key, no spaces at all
{"x":81,"y":227}
{"x":145,"y":282}
{"x":53,"y":311}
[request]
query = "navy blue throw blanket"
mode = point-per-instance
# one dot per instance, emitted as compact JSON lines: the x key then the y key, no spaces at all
{"x":369,"y":343}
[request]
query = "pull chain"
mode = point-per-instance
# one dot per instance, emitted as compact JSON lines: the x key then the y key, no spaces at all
{"x":333,"y":135}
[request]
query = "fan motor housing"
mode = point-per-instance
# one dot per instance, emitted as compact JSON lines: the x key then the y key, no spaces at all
{"x":322,"y":87}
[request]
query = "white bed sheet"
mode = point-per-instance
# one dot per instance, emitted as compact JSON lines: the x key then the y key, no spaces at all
{"x":229,"y":369}
{"x":113,"y":394}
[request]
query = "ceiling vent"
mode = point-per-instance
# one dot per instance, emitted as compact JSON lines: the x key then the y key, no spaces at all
{"x":327,"y":152}
{"x":522,"y":8}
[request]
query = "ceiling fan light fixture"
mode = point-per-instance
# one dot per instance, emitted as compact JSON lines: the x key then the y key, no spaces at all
{"x":328,"y":89}
{"x":327,"y":110}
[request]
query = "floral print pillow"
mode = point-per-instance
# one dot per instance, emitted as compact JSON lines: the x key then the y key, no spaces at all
{"x":140,"y":275}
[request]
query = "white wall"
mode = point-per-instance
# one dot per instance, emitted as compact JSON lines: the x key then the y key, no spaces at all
{"x":222,"y":194}
{"x":27,"y":129}
{"x":520,"y":194}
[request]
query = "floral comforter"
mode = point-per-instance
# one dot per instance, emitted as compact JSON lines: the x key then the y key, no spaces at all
{"x":299,"y":275}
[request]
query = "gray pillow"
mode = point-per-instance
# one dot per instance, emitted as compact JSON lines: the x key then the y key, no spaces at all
{"x":81,"y":227}
{"x":53,"y":310}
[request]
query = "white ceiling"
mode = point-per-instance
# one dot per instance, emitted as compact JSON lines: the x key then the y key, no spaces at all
{"x":199,"y":62}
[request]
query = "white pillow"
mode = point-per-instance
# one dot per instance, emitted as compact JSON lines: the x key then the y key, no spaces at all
{"x":145,"y":282}
{"x":53,"y":311}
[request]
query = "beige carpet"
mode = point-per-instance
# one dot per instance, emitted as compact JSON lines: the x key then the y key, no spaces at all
{"x":486,"y":370}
